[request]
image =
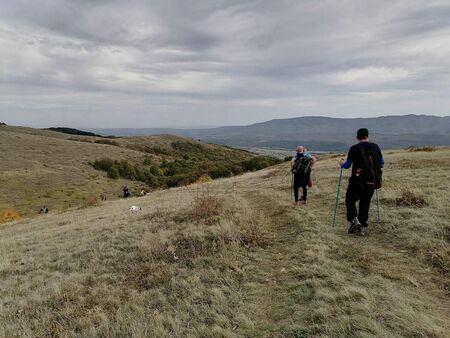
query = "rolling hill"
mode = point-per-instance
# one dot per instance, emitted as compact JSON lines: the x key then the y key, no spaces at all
{"x":234,"y":258}
{"x":43,"y":167}
{"x":318,"y":133}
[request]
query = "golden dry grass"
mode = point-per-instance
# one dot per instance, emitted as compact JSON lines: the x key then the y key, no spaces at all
{"x":257,"y":268}
{"x":42,"y":167}
{"x":8,"y":215}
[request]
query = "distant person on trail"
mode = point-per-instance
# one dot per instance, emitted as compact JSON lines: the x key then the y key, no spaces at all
{"x":301,"y":169}
{"x":367,"y":162}
{"x":126,"y":192}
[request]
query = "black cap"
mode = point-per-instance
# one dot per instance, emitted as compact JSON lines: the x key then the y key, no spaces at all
{"x":362,"y":134}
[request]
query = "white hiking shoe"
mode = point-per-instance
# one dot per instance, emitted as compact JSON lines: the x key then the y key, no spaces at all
{"x":354,"y":226}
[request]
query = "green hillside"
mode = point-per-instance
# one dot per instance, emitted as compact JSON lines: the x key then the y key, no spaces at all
{"x":43,"y":167}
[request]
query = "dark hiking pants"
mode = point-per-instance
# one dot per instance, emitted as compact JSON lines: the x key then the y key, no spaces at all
{"x":304,"y":192}
{"x":300,"y":182}
{"x":362,"y":193}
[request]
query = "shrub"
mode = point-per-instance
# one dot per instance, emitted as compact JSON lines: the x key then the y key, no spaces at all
{"x":288,"y":159}
{"x":410,"y":199}
{"x":251,"y":235}
{"x":148,"y":160}
{"x":149,"y":179}
{"x":8,"y":215}
{"x":222,"y":171}
{"x":80,"y":139}
{"x":126,"y":170}
{"x":155,"y":171}
{"x":104,"y":164}
{"x":116,"y":169}
{"x":181,"y":179}
{"x":425,"y":148}
{"x":237,"y":170}
{"x":205,"y":207}
{"x":184,"y":148}
{"x":184,"y":170}
{"x":258,"y":163}
{"x":204,"y":178}
{"x":90,"y":201}
{"x":113,"y":173}
{"x":156,"y":150}
{"x":109,"y":142}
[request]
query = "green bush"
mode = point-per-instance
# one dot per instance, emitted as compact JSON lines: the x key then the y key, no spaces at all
{"x":155,"y":171}
{"x":221,"y":171}
{"x":237,"y":170}
{"x":103,"y":164}
{"x":126,"y":170}
{"x":113,"y":173}
{"x":258,"y":163}
{"x":148,"y":160}
{"x":186,"y":169}
{"x":153,"y":182}
{"x":156,"y":150}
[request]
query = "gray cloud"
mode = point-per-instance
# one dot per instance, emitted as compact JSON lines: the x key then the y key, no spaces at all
{"x":176,"y":63}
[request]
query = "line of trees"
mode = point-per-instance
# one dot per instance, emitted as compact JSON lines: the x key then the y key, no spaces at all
{"x":182,"y":171}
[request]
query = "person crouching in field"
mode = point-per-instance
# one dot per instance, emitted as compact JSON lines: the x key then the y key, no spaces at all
{"x":301,"y":167}
{"x":366,"y":161}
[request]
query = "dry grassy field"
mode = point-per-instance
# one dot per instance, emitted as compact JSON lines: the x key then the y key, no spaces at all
{"x":235,"y":258}
{"x":42,"y":167}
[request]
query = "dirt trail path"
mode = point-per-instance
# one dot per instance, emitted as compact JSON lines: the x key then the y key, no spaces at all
{"x":315,"y":280}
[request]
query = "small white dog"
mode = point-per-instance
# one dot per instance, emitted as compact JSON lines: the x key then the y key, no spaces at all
{"x":134,"y":209}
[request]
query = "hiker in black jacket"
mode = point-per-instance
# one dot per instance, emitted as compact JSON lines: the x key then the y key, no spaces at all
{"x":366,"y":161}
{"x":301,"y":167}
{"x":126,"y":192}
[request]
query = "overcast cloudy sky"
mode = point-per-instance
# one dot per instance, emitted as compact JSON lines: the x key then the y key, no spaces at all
{"x":101,"y":63}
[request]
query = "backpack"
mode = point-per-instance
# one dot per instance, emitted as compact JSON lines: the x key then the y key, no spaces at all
{"x":302,"y":166}
{"x":370,"y":171}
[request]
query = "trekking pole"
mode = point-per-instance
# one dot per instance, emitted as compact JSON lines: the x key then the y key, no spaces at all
{"x":284,"y":177}
{"x":292,"y":186}
{"x":337,"y":196}
{"x":378,"y":206}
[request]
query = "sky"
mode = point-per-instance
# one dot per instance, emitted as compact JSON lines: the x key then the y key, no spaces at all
{"x":186,"y":63}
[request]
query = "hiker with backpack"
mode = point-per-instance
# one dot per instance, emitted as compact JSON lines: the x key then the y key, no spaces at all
{"x":125,"y":192}
{"x":367,"y":162}
{"x":301,"y":167}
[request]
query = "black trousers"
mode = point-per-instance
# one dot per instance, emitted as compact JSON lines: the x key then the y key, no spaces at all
{"x":300,"y":182}
{"x":358,"y":192}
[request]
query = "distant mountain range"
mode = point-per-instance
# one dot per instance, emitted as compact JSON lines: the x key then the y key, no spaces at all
{"x":317,"y":133}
